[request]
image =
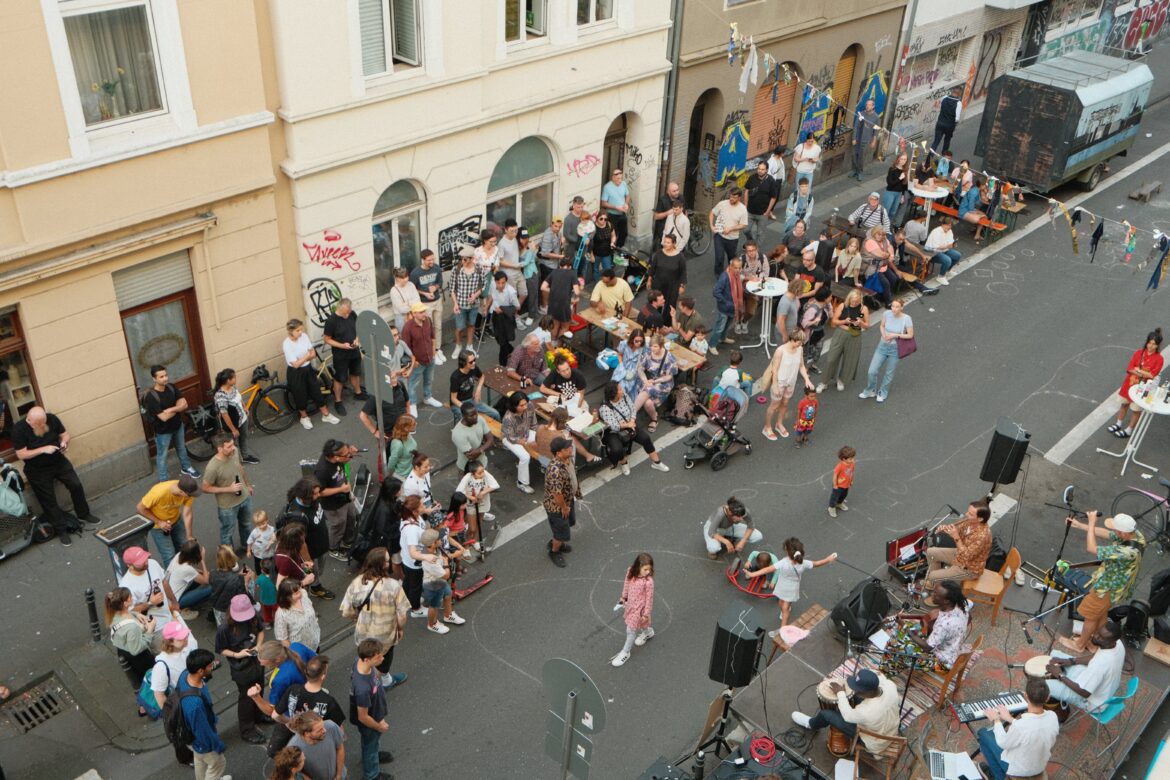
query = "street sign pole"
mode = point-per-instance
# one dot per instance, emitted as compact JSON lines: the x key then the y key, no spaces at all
{"x":567,"y":745}
{"x":378,"y":363}
{"x":568,"y":738}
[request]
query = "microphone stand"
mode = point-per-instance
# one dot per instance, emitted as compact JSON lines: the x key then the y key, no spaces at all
{"x":1042,"y":615}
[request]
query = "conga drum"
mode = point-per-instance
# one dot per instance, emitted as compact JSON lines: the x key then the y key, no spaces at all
{"x":838,"y":741}
{"x":1037,"y":667}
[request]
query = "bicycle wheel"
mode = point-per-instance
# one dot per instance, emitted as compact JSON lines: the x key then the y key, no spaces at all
{"x":200,"y":448}
{"x":1149,"y":514}
{"x":273,"y":411}
{"x":699,"y":242}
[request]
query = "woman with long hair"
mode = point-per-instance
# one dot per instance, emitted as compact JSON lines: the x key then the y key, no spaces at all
{"x":378,"y":604}
{"x":897,"y":183}
{"x":402,"y":446}
{"x":288,"y":764}
{"x":850,"y":319}
{"x":638,"y":601}
{"x":132,"y":635}
{"x":1146,"y":363}
{"x":302,"y":380}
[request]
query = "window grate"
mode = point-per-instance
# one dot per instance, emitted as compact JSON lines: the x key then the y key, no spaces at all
{"x":37,"y":705}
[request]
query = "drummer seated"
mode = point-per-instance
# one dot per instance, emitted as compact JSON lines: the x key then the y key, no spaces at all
{"x":877,"y":709}
{"x":1023,"y":750}
{"x":967,"y":559}
{"x":1088,"y":680}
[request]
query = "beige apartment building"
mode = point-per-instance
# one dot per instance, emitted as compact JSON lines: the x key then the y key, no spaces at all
{"x":842,"y":47}
{"x":137,"y":213}
{"x":415,"y":123}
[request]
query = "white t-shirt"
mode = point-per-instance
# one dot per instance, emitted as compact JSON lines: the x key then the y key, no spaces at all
{"x":263,"y":542}
{"x":176,"y":667}
{"x":414,"y":485}
{"x":142,"y":585}
{"x":1102,"y":675}
{"x":806,"y":158}
{"x":727,"y":215}
{"x":295,"y":350}
{"x":409,"y":536}
{"x":470,"y":484}
{"x":180,"y":576}
{"x":940,"y":238}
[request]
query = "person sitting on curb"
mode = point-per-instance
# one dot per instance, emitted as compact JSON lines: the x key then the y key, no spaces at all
{"x":729,"y":528}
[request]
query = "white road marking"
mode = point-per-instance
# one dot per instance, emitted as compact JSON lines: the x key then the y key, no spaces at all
{"x":1000,"y":506}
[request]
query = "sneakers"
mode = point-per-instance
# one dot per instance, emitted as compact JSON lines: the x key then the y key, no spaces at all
{"x":866,"y":394}
{"x":412,"y":410}
{"x":390,"y":681}
{"x":455,"y":352}
{"x":802,"y":720}
{"x":881,"y":398}
{"x":331,"y":419}
{"x":440,"y":358}
{"x":429,"y":401}
{"x":524,"y":488}
{"x":644,"y":637}
{"x":385,"y":756}
{"x":338,"y":555}
{"x":620,"y":659}
{"x":251,"y":460}
{"x":94,"y":519}
{"x":306,"y":423}
{"x":713,"y":351}
{"x":727,"y":341}
{"x":659,"y":466}
{"x":454,"y":619}
{"x":191,"y":472}
{"x":942,"y":279}
{"x":556,"y":558}
{"x":322,"y":592}
{"x":821,"y":387}
{"x":832,"y":511}
{"x":713,"y":556}
{"x":340,"y":409}
{"x":254,"y":737}
{"x":840,"y":386}
{"x":843,"y":507}
{"x":189,"y":614}
{"x":361,"y":395}
{"x":64,"y":539}
{"x":625,"y":469}
{"x":418,"y":613}
{"x":437,"y":628}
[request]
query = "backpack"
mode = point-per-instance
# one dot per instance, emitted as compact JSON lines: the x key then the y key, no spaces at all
{"x":175,"y":725}
{"x":12,"y":492}
{"x":147,"y":417}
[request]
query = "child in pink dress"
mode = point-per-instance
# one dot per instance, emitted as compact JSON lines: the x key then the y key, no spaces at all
{"x":638,"y":600}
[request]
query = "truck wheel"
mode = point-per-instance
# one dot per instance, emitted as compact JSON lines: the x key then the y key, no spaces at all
{"x":1094,"y":179}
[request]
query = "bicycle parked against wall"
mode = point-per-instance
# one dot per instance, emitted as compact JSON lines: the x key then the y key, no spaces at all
{"x":1150,"y":511}
{"x":700,"y":239}
{"x":267,"y":401}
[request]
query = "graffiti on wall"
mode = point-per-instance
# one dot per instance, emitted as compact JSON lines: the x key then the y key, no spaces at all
{"x":1085,"y":39}
{"x":912,"y":116}
{"x":454,"y":237}
{"x":985,"y":71}
{"x":732,"y":160}
{"x":1035,"y":30}
{"x":823,"y":78}
{"x":883,"y":42}
{"x":1145,"y":23}
{"x":637,"y":162}
{"x":332,"y":253}
{"x":874,"y":86}
{"x":583,"y":166}
{"x":323,"y":294}
{"x":816,"y":105}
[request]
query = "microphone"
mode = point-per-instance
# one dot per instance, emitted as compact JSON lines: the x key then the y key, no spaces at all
{"x":1027,"y":635}
{"x":1015,"y":666}
{"x":953,"y":510}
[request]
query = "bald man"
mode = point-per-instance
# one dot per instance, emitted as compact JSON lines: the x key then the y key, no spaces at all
{"x":662,"y":209}
{"x":40,"y":441}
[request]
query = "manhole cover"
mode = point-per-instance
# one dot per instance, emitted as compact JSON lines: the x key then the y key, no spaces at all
{"x":36,"y":705}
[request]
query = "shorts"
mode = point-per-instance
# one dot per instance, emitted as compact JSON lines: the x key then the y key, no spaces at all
{"x":560,"y":525}
{"x":465,"y":318}
{"x":434,"y":597}
{"x":1094,"y":605}
{"x":782,"y":391}
{"x":346,"y":364}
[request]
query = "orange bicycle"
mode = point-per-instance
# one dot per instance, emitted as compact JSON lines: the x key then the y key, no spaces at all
{"x":270,"y":406}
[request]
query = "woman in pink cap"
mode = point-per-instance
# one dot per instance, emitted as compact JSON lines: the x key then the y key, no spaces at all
{"x":169,"y":666}
{"x":237,"y":640}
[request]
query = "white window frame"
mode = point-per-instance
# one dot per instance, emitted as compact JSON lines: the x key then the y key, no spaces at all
{"x":595,"y":23}
{"x":177,"y":114}
{"x":527,"y":36}
{"x":518,"y":190}
{"x":388,"y":44}
{"x":418,"y":206}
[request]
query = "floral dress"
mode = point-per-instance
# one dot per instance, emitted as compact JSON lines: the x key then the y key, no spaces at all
{"x":652,"y":368}
{"x":631,"y":358}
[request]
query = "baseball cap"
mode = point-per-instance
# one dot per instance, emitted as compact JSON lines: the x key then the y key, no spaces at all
{"x":875,"y":194}
{"x":429,"y":537}
{"x":1123,"y":523}
{"x":136,"y":557}
{"x":864,"y":681}
{"x":241,"y":608}
{"x":188,"y":484}
{"x":417,"y":307}
{"x":559,"y":444}
{"x":176,"y":630}
{"x":523,"y":233}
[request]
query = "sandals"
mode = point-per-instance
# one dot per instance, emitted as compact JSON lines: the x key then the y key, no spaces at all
{"x":783,"y":433}
{"x":1122,"y":433}
{"x":652,"y":427}
{"x":769,"y":434}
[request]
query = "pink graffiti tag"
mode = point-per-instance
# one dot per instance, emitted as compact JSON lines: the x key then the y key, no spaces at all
{"x":332,"y":253}
{"x":583,"y":165}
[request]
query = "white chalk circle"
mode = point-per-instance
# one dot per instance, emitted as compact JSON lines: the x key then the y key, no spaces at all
{"x":1027,"y":253}
{"x":1004,"y":289}
{"x":670,"y":491}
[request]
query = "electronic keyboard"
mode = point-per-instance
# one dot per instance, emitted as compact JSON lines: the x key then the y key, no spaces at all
{"x":970,"y":711}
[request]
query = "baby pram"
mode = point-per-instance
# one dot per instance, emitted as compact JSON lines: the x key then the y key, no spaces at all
{"x":636,"y":268}
{"x":760,"y":587}
{"x":718,"y":437}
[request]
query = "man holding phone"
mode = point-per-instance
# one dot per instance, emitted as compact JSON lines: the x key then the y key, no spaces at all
{"x":40,"y":441}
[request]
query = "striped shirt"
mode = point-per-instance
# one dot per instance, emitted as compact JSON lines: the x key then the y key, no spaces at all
{"x":867,"y":216}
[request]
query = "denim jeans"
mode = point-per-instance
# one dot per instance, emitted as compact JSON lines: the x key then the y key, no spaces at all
{"x":591,"y":271}
{"x":162,"y":443}
{"x":832,"y":718}
{"x":946,"y":259}
{"x":725,"y":249}
{"x":370,"y":767}
{"x":993,"y":753}
{"x":427,"y":375}
{"x":241,"y":515}
{"x":480,"y":407}
{"x":886,"y":355}
{"x":809,"y":176}
{"x":168,"y":544}
{"x":194,"y":595}
{"x":720,"y":330}
{"x":890,"y":201}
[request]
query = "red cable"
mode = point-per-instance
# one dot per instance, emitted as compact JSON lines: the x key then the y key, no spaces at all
{"x":762,"y":749}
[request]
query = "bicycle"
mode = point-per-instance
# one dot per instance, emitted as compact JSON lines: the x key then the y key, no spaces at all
{"x":271,"y":407}
{"x":700,"y":239}
{"x":1149,"y":510}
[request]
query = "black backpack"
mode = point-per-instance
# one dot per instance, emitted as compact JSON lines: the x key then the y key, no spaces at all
{"x":175,"y":726}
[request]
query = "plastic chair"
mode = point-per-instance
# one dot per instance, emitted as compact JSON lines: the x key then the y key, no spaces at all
{"x":1109,"y":711}
{"x":887,"y":759}
{"x":990,"y":587}
{"x":948,"y":684}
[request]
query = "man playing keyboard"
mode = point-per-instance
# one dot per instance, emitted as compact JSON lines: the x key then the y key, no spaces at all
{"x":1021,"y":752}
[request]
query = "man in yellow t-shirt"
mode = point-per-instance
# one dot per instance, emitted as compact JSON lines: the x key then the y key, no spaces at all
{"x":612,"y":293}
{"x":164,"y":504}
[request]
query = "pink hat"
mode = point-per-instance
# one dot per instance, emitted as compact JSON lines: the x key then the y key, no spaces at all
{"x":136,"y":557}
{"x":176,"y":630}
{"x":241,"y":609}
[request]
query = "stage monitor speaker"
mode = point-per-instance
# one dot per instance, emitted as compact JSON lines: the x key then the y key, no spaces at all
{"x":860,"y":614}
{"x":738,"y":642}
{"x":1162,"y":629}
{"x":1009,"y":444}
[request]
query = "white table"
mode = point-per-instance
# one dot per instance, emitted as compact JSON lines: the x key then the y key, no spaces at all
{"x":929,"y":196}
{"x":767,"y":291}
{"x":1150,"y":408}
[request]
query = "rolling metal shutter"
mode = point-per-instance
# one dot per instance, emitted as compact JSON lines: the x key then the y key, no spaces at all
{"x":153,"y":279}
{"x":772,"y":122}
{"x":843,"y":80}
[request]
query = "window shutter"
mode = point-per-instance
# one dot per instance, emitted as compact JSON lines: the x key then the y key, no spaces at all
{"x":406,"y":31}
{"x":373,"y":37}
{"x":153,"y":279}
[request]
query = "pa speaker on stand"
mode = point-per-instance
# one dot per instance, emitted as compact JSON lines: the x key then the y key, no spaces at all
{"x":1005,"y":454}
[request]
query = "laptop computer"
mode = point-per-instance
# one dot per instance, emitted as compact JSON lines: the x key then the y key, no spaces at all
{"x":952,"y":766}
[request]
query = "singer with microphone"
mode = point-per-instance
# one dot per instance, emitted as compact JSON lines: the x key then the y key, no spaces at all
{"x":944,"y":627}
{"x":1115,"y":579}
{"x":967,"y":559}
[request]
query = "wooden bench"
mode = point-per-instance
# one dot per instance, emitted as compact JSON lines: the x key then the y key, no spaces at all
{"x":1146,"y":191}
{"x":994,"y":227}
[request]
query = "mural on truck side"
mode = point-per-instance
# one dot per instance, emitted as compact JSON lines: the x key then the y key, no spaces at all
{"x":454,"y":237}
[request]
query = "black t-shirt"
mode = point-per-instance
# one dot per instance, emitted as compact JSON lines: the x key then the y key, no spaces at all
{"x":23,"y":437}
{"x":651,"y":318}
{"x":313,"y":519}
{"x":463,"y":385}
{"x":343,"y":330}
{"x":296,"y":699}
{"x":423,"y":278}
{"x":331,"y":475}
{"x":391,"y":410}
{"x":665,"y":202}
{"x":759,"y":193}
{"x":817,"y":274}
{"x":155,"y":402}
{"x":237,"y":636}
{"x":566,"y":387}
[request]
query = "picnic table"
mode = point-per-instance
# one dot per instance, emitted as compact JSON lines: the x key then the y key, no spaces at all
{"x":621,"y":328}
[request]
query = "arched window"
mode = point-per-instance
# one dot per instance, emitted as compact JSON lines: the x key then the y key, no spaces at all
{"x":399,"y":222}
{"x":521,"y":187}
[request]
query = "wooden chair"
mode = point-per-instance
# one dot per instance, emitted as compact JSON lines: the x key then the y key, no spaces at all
{"x":948,"y":684}
{"x":991,"y":585}
{"x":886,"y":760}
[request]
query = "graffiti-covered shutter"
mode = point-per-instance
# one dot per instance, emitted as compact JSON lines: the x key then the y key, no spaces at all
{"x":772,"y":122}
{"x":843,"y":79}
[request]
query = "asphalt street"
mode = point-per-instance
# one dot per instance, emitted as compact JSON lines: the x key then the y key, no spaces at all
{"x":1030,"y":331}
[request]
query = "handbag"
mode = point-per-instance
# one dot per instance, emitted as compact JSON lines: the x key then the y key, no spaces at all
{"x":907,"y":347}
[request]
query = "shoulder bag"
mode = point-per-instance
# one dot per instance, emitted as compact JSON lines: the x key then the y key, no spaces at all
{"x":907,"y":347}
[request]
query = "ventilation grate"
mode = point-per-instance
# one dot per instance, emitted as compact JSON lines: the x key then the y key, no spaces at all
{"x":37,"y":705}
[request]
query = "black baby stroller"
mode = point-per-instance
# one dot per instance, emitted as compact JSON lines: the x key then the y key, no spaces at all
{"x":636,"y":265}
{"x":717,"y":438}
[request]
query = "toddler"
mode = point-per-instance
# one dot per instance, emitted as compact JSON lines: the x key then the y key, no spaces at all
{"x":262,"y":541}
{"x":842,"y":480}
{"x":806,"y":415}
{"x":698,"y":343}
{"x":477,"y":485}
{"x":265,"y":591}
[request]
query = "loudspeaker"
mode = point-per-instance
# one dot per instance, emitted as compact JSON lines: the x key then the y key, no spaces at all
{"x":1162,"y":629}
{"x":1009,"y":444}
{"x":861,"y":612}
{"x":738,"y":642}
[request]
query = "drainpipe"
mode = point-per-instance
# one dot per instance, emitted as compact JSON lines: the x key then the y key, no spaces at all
{"x":903,"y":36}
{"x":669,"y":104}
